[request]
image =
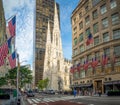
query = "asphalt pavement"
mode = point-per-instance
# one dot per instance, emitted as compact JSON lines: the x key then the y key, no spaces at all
{"x":95,"y":100}
{"x":64,"y":100}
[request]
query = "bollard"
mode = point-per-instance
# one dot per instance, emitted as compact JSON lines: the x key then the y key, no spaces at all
{"x":18,"y":102}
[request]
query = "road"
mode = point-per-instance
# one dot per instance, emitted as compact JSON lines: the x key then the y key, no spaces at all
{"x":98,"y":100}
{"x":70,"y":100}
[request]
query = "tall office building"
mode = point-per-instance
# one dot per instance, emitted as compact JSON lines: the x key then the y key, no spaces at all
{"x":3,"y":36}
{"x":44,"y":11}
{"x":97,"y":21}
{"x":2,"y":24}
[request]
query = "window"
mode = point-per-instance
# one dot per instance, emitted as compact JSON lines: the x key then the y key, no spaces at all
{"x":82,"y":74}
{"x":75,"y":41}
{"x":80,"y":15}
{"x":75,"y":30}
{"x":87,"y":31}
{"x":95,"y":14}
{"x":103,"y":9}
{"x":82,"y":60}
{"x":95,"y":2}
{"x":105,"y":23}
{"x":58,"y":65}
{"x":106,"y":37}
{"x":87,"y":20}
{"x":80,"y":25}
{"x":74,"y":20}
{"x":95,"y":28}
{"x":81,"y":37}
{"x":86,"y":8}
{"x":97,"y":55}
{"x":89,"y":58}
{"x":117,"y":50}
{"x":116,"y":34}
{"x":96,"y":40}
{"x":75,"y":51}
{"x":107,"y":51}
{"x":115,"y":18}
{"x":81,"y":48}
{"x":113,"y":4}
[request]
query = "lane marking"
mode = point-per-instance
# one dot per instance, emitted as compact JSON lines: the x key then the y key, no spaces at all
{"x":35,"y":101}
{"x":29,"y":101}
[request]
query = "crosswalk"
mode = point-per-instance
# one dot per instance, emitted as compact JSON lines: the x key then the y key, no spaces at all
{"x":35,"y":101}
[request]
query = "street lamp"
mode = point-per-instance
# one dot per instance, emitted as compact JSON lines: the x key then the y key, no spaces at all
{"x":18,"y":75}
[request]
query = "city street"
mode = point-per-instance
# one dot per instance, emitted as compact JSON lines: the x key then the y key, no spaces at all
{"x":71,"y":100}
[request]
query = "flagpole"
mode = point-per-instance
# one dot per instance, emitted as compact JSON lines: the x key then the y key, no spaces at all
{"x":11,"y":17}
{"x":17,"y":75}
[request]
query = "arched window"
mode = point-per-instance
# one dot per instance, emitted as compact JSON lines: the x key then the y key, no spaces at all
{"x":58,"y":65}
{"x":56,"y":40}
{"x":66,"y":69}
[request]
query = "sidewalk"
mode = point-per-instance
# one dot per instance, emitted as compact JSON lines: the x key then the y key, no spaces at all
{"x":102,"y":95}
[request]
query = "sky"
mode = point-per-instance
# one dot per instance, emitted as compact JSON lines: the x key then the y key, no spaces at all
{"x":24,"y":11}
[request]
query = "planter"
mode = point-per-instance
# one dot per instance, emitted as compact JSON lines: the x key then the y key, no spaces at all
{"x":113,"y":93}
{"x":4,"y":96}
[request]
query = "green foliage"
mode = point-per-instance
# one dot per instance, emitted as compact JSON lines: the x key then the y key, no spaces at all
{"x":25,"y":76}
{"x":3,"y":81}
{"x":43,"y":83}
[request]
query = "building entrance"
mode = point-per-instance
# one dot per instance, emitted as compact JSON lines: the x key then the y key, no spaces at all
{"x":98,"y":86}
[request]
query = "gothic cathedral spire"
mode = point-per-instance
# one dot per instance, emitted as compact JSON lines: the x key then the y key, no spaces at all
{"x":48,"y":41}
{"x":56,"y":32}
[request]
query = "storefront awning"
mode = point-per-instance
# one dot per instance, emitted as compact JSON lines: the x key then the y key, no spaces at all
{"x":111,"y":82}
{"x":82,"y":85}
{"x":85,"y":85}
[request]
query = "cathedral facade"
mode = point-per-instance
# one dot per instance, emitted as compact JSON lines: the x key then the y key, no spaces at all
{"x":56,"y":68}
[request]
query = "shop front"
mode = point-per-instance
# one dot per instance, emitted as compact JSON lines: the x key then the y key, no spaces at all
{"x":84,"y":89}
{"x":111,"y":85}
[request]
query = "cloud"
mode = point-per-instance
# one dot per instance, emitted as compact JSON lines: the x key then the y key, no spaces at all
{"x":24,"y":26}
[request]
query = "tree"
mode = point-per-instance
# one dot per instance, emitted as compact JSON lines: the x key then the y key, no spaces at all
{"x":43,"y":83}
{"x":25,"y":77}
{"x":3,"y":81}
{"x":46,"y":81}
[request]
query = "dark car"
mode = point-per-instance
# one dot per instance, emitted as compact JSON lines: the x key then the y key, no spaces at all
{"x":50,"y":92}
{"x":30,"y":93}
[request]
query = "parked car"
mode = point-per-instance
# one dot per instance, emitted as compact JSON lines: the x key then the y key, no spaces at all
{"x":30,"y":93}
{"x":50,"y":92}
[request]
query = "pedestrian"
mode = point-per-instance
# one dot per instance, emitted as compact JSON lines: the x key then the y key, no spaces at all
{"x":99,"y":92}
{"x":74,"y":92}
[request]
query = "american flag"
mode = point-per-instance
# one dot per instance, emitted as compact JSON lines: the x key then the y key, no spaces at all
{"x":1,"y":60}
{"x":89,"y":40}
{"x":72,"y":69}
{"x":94,"y":62}
{"x":4,"y":50}
{"x":9,"y":42}
{"x":86,"y":64}
{"x":9,"y":45}
{"x":12,"y":26}
{"x":104,"y":60}
{"x":12,"y":60}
